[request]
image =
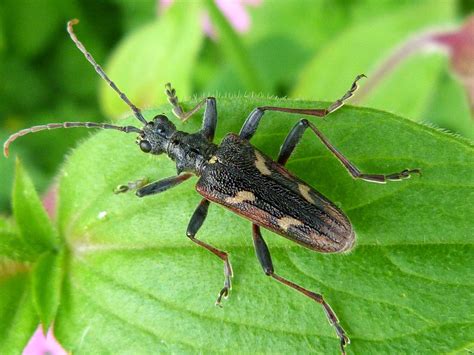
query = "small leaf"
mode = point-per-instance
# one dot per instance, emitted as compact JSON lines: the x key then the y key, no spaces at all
{"x":449,"y":107}
{"x":33,"y":222}
{"x":17,"y":314}
{"x":14,"y":247}
{"x":135,"y":283}
{"x":159,"y":52}
{"x":47,"y":277}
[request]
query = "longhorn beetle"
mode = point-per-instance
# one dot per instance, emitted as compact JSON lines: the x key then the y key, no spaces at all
{"x":241,"y":178}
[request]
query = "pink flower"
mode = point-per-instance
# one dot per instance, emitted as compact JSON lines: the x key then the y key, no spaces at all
{"x":457,"y":43}
{"x":40,"y":344}
{"x":460,"y":46}
{"x":233,"y":10}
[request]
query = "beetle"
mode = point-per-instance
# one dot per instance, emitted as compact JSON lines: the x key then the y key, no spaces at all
{"x":240,"y":177}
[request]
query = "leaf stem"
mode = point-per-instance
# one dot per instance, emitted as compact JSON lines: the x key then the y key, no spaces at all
{"x":233,"y":48}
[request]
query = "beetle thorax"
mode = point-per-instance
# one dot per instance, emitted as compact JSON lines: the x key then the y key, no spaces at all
{"x":190,"y":151}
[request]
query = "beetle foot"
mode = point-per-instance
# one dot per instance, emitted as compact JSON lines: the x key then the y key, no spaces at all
{"x":405,"y":174}
{"x":133,"y":185}
{"x":343,"y":337}
{"x":171,"y":93}
{"x":224,"y":293}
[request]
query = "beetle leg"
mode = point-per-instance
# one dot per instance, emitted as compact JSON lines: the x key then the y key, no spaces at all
{"x":295,"y":136}
{"x":210,"y":114}
{"x":161,"y":185}
{"x":251,"y":123}
{"x":263,"y":255}
{"x":131,"y":185}
{"x":195,"y":223}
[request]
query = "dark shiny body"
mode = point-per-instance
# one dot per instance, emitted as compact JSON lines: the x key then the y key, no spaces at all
{"x":278,"y":198}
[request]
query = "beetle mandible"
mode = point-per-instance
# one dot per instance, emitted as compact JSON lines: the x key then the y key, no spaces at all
{"x":243,"y":179}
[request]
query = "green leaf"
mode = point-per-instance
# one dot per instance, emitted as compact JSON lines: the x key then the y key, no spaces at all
{"x":47,"y":277}
{"x":12,"y":245}
{"x":17,"y":314}
{"x":33,"y":223}
{"x":2,"y":37}
{"x":449,"y":106}
{"x":365,"y":45}
{"x":135,"y":283}
{"x":159,"y":52}
{"x":234,"y":49}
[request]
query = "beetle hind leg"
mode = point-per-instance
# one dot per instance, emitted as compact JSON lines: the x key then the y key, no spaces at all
{"x":195,"y":223}
{"x":296,"y":134}
{"x":264,"y":257}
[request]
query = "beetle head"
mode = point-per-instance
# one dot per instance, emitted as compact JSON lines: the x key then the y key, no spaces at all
{"x":156,"y":135}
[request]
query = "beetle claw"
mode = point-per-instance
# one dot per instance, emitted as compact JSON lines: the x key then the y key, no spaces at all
{"x":224,"y":293}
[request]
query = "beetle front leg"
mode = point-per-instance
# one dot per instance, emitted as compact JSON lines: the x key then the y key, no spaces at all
{"x":195,"y":224}
{"x":265,"y":259}
{"x":209,"y":122}
{"x":161,"y":185}
{"x":131,"y":185}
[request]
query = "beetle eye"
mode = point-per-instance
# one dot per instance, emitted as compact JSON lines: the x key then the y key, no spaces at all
{"x":145,"y":146}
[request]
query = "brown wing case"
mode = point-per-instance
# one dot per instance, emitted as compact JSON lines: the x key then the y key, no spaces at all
{"x":249,"y":183}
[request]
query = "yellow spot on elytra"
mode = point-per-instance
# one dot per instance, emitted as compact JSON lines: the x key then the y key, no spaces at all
{"x":213,"y":160}
{"x":304,"y":191}
{"x":287,"y":222}
{"x":240,"y":197}
{"x":260,"y":164}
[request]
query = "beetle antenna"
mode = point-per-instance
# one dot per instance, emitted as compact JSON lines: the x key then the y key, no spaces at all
{"x":126,"y":129}
{"x":100,"y":71}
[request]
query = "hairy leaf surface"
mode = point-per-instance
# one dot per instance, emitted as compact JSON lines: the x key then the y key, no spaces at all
{"x":135,"y":283}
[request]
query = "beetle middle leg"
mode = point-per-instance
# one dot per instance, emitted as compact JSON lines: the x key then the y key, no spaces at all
{"x":194,"y":225}
{"x":145,"y":189}
{"x":265,"y":259}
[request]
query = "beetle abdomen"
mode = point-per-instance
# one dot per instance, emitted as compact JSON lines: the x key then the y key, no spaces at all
{"x":252,"y":185}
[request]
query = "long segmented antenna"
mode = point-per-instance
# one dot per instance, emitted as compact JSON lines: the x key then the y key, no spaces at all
{"x":49,"y":126}
{"x":100,"y":71}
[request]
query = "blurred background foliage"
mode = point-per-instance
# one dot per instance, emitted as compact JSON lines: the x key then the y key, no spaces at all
{"x":309,"y":49}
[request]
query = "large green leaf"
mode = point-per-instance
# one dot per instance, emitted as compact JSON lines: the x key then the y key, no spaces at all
{"x":135,"y":283}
